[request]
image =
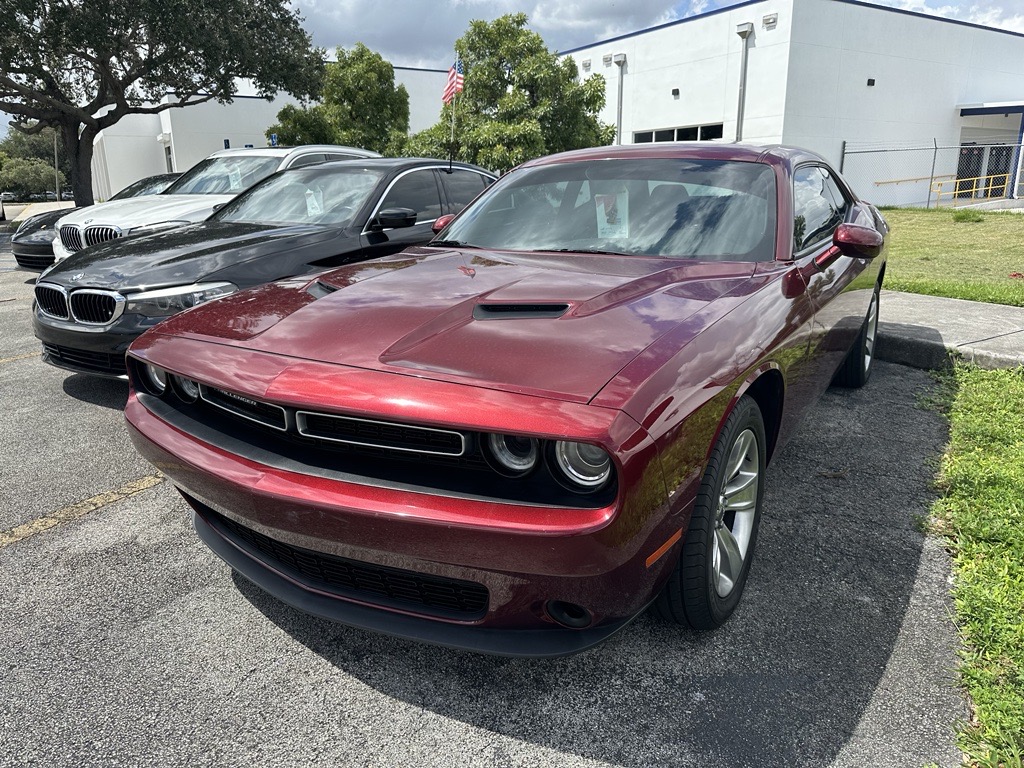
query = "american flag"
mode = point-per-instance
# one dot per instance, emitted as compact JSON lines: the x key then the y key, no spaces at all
{"x":454,"y":84}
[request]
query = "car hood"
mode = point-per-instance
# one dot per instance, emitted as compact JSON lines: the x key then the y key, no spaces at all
{"x":149,"y":209}
{"x":557,"y":325}
{"x":178,"y":256}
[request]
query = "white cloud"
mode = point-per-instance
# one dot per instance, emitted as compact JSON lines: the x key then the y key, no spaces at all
{"x":1008,"y":14}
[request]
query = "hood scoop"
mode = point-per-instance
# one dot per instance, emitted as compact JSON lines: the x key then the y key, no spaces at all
{"x":318,"y":289}
{"x":518,"y":311}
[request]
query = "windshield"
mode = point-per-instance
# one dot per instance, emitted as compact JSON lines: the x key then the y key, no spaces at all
{"x":329,"y":195}
{"x":670,"y":207}
{"x":148,"y":186}
{"x":223,"y":175}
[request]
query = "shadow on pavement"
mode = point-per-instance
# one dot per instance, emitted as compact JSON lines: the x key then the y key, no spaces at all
{"x":784,"y":683}
{"x":108,"y":393}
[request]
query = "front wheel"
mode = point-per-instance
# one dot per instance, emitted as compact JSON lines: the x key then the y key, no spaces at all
{"x":856,"y":368}
{"x":708,"y":580}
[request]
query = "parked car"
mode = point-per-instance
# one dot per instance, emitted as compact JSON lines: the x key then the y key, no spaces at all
{"x":7,"y":197}
{"x":32,"y":243}
{"x":91,"y":306}
{"x":561,"y":410}
{"x":194,"y":196}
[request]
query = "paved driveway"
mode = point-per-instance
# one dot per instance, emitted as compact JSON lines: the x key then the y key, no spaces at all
{"x":125,"y":642}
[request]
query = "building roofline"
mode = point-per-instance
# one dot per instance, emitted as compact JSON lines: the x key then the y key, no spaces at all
{"x":859,"y":3}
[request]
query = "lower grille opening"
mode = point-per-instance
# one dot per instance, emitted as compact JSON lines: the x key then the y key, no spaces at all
{"x":100,"y":362}
{"x":381,"y":585}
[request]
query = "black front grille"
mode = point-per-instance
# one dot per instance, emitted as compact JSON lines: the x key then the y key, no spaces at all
{"x":380,"y":434}
{"x":264,"y":413}
{"x":94,"y":235}
{"x":52,"y":301}
{"x":71,"y":237}
{"x":34,"y":260}
{"x":94,"y":308}
{"x":98,"y":362}
{"x":436,"y":595}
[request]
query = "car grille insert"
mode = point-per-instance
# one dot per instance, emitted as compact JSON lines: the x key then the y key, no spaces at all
{"x":378,"y":584}
{"x":52,"y":301}
{"x":263,"y":413}
{"x":71,"y":237}
{"x":94,"y":235}
{"x":380,"y":434}
{"x":93,"y":307}
{"x":96,"y":362}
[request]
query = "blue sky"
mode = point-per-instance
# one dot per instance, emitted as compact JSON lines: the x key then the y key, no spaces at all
{"x":418,"y":34}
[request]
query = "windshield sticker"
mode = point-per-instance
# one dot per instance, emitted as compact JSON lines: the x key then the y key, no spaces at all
{"x":235,"y":178}
{"x":314,"y":202}
{"x":613,"y":215}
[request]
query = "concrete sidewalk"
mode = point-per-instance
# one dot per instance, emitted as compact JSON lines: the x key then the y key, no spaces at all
{"x":922,"y":331}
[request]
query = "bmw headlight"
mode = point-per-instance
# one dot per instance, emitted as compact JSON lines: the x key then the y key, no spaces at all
{"x":160,"y":226}
{"x":170,"y":301}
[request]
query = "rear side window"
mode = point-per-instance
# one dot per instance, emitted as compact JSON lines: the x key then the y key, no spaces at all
{"x":462,"y":187}
{"x":311,"y":159}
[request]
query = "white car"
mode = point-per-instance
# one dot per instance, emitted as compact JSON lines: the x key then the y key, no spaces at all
{"x":194,"y":196}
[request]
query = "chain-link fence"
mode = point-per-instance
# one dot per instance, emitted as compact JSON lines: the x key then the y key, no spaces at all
{"x":932,"y":175}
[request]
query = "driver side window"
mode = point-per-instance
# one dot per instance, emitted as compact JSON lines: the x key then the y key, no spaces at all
{"x":418,"y":191}
{"x":815,"y":213}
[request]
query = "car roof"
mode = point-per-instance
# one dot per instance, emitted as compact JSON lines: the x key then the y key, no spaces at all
{"x":390,"y":163}
{"x":708,"y":150}
{"x":283,"y":152}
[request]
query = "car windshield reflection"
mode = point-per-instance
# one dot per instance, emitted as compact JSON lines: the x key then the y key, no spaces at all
{"x":319,"y":196}
{"x":672,"y":208}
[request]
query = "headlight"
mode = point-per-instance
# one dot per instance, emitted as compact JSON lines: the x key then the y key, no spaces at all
{"x":579,"y":466}
{"x":186,"y":389}
{"x":154,"y":379}
{"x":512,"y":455}
{"x":148,"y":229}
{"x":41,"y":236}
{"x":169,"y":301}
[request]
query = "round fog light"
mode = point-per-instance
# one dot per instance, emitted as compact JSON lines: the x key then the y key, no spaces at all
{"x":585,"y":467}
{"x":512,"y":455}
{"x":155,"y":379}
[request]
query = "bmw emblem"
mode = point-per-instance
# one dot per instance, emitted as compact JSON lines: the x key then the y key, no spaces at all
{"x":76,"y":278}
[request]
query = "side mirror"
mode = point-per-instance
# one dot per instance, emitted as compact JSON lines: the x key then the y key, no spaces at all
{"x":396,"y":218}
{"x":442,"y":222}
{"x":857,"y":241}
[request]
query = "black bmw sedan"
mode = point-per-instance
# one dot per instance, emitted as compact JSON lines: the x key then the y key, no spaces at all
{"x":91,"y":306}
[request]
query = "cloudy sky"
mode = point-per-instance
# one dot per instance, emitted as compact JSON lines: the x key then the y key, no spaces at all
{"x":413,"y":33}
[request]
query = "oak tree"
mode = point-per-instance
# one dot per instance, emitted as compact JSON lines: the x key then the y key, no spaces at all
{"x":80,"y":66}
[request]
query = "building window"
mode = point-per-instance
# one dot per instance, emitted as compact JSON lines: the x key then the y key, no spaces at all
{"x":686,"y":133}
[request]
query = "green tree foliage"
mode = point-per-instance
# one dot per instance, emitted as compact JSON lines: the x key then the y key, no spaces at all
{"x":36,"y":145}
{"x":361,"y":106}
{"x":79,"y":66}
{"x":520,"y":101}
{"x":27,"y":176}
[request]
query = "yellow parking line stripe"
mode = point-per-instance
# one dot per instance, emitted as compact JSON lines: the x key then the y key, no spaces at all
{"x":75,"y":511}
{"x":19,"y":357}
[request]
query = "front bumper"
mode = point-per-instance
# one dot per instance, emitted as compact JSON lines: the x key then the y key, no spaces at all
{"x":525,"y":557}
{"x":94,"y":350}
{"x":37,"y":256}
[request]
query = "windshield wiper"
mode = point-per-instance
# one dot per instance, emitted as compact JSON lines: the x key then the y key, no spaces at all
{"x":584,"y":250}
{"x":450,"y":244}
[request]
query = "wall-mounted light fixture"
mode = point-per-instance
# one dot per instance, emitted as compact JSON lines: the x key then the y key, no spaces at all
{"x":675,"y":92}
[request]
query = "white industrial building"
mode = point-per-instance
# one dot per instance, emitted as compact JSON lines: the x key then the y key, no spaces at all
{"x":915,"y":109}
{"x":839,"y":77}
{"x":177,"y":139}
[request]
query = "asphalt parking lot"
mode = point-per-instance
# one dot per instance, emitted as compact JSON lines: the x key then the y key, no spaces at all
{"x":126,"y":642}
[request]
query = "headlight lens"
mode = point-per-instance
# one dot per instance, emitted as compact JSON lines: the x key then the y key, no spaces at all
{"x":148,"y":229}
{"x":155,"y":379}
{"x":186,"y":389}
{"x":580,"y":466}
{"x":169,"y":301}
{"x":512,"y":455}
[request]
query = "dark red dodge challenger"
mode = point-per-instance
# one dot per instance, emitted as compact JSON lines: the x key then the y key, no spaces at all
{"x":515,"y":439}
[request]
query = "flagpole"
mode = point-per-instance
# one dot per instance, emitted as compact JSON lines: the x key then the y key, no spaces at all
{"x":451,"y":146}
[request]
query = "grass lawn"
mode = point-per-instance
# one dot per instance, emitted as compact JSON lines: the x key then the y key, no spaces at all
{"x":931,"y":253}
{"x":981,"y":517}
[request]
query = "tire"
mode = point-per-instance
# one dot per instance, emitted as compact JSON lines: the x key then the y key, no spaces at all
{"x":856,"y":368}
{"x":705,"y":587}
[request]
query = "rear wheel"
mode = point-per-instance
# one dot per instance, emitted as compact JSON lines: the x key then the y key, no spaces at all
{"x":856,"y":368}
{"x":708,"y":580}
